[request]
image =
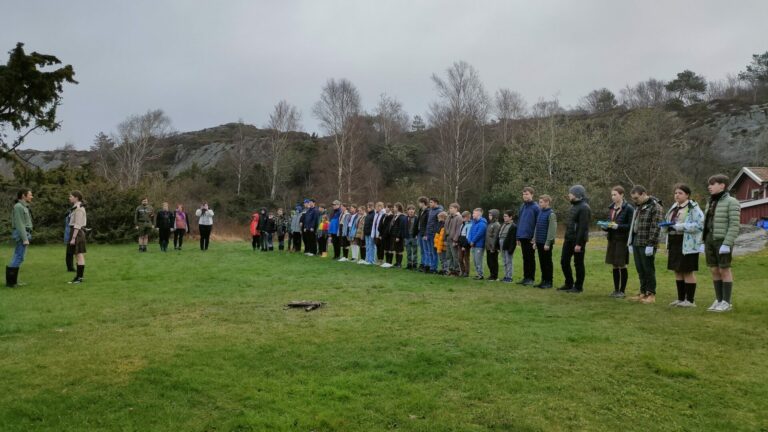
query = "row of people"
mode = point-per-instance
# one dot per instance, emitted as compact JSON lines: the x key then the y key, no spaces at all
{"x":434,"y":240}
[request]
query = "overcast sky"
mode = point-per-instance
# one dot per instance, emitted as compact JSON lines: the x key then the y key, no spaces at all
{"x":206,"y":63}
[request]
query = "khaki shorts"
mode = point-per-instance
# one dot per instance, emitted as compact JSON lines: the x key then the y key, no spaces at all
{"x":145,"y":230}
{"x":714,"y":257}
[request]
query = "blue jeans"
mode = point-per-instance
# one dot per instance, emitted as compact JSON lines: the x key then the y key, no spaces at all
{"x":429,"y":248}
{"x":370,"y":249}
{"x":19,"y":250}
{"x":423,"y":254}
{"x":411,"y":250}
{"x":477,"y":258}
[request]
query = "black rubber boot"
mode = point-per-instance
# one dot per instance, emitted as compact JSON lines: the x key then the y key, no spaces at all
{"x":11,"y":274}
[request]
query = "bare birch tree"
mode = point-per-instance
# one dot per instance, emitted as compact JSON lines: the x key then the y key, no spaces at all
{"x":137,"y":137}
{"x":508,"y":106}
{"x":458,"y":117}
{"x":337,"y":110}
{"x":547,"y":142}
{"x":242,"y":155}
{"x":103,"y":149}
{"x":285,"y":118}
{"x":390,"y":119}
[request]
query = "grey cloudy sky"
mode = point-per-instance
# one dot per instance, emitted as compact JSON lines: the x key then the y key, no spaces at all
{"x":206,"y":63}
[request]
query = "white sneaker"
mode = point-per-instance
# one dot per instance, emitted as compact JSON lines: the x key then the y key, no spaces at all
{"x":361,"y":262}
{"x":723,"y":307}
{"x":386,"y":265}
{"x":675,"y":303}
{"x":342,"y":259}
{"x":310,"y":254}
{"x":686,"y":304}
{"x":714,"y":306}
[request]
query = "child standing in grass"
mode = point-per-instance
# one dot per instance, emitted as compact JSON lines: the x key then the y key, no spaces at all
{"x":477,"y":240}
{"x":411,"y":239}
{"x":683,"y":242}
{"x":507,"y":244}
{"x":544,"y":237}
{"x":271,"y":227}
{"x":322,"y":233}
{"x":721,"y":227}
{"x":359,"y":239}
{"x":255,"y":233}
{"x":439,"y":241}
{"x":464,"y":247}
{"x":492,"y":244}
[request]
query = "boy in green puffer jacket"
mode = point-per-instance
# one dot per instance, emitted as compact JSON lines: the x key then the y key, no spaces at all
{"x":721,"y":227}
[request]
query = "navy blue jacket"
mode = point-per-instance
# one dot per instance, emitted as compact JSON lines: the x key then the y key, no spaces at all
{"x":526,"y":223}
{"x":432,"y":222}
{"x":311,"y":218}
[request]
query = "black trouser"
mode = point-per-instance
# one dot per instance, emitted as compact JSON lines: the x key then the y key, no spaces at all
{"x":545,"y":262}
{"x":254,"y":242}
{"x":322,"y":246}
{"x":69,"y":258}
{"x":529,"y":259}
{"x":336,"y":241}
{"x":178,"y":238}
{"x":380,"y":248}
{"x":578,"y":262}
{"x":165,"y":237}
{"x":310,"y":242}
{"x":493,"y":263}
{"x":205,"y":236}
{"x":296,"y":238}
{"x":646,"y":270}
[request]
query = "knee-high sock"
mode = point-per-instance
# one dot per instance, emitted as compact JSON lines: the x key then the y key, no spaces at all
{"x":718,"y":289}
{"x":616,"y":279}
{"x":727,"y":291}
{"x":80,"y":270}
{"x":389,"y":257}
{"x":399,"y":259}
{"x":690,"y":291}
{"x":680,"y":290}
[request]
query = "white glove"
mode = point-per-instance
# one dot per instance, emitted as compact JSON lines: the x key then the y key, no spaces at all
{"x":724,"y":250}
{"x":702,"y":248}
{"x":649,"y":251}
{"x":679,"y":227}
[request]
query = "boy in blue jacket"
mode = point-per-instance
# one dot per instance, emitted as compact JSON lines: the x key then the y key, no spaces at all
{"x":526,"y":225}
{"x":477,"y":240}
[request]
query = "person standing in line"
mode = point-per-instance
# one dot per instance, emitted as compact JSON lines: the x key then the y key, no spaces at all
{"x":464,"y":247}
{"x":370,"y":235}
{"x":255,"y":233}
{"x":322,"y":232}
{"x":78,"y":222}
{"x":440,"y":243}
{"x":333,"y":228}
{"x":544,"y":236}
{"x":180,"y":226}
{"x":432,"y":223}
{"x":452,"y":234}
{"x":360,"y":234}
{"x":492,"y":244}
{"x":576,"y":238}
{"x":684,"y":224}
{"x":348,"y":231}
{"x":643,"y":240}
{"x":263,"y":240}
{"x":164,"y":221}
{"x":412,"y":238}
{"x":397,"y":234}
{"x":69,"y":259}
{"x":620,"y":215}
{"x":386,"y":239}
{"x":477,"y":240}
{"x":142,"y":219}
{"x":421,"y":231}
{"x":21,"y":232}
{"x":310,"y":223}
{"x":205,"y":225}
{"x":508,"y":243}
{"x":296,"y":229}
{"x":721,"y":227}
{"x":271,"y":229}
{"x":283,"y":225}
{"x":376,"y":231}
{"x":526,"y":225}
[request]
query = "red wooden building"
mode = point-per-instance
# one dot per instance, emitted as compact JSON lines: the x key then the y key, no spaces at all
{"x":750,"y":187}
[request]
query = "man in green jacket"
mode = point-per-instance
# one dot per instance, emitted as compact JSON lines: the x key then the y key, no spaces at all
{"x":143,"y":219}
{"x":721,"y":227}
{"x":21,"y":227}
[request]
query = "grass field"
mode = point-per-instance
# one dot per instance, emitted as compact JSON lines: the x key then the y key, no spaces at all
{"x":196,"y":341}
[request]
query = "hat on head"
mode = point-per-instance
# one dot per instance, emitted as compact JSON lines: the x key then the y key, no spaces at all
{"x":578,"y":191}
{"x":336,"y":202}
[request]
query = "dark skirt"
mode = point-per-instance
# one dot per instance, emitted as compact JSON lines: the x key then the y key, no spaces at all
{"x":79,"y":246}
{"x":617,"y":254}
{"x":679,"y":262}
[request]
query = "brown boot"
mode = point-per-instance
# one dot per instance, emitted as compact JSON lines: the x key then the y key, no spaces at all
{"x":638,"y":297}
{"x":649,"y":299}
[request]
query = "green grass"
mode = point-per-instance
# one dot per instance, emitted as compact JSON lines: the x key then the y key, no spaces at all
{"x":197,"y":341}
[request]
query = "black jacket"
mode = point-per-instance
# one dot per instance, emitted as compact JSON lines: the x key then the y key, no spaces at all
{"x":510,"y":241}
{"x":577,"y":225}
{"x":623,"y":220}
{"x":421,"y":225}
{"x":164,"y":220}
{"x":368,"y":224}
{"x":384,"y":225}
{"x":398,"y":226}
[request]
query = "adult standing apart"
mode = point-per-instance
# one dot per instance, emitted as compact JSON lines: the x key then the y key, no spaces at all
{"x":421,"y":230}
{"x":620,"y":215}
{"x":21,"y":232}
{"x":164,"y":222}
{"x":69,"y":259}
{"x":684,"y":226}
{"x":433,"y":225}
{"x":576,"y":238}
{"x":526,"y":226}
{"x":143,"y":218}
{"x":78,"y":223}
{"x":721,"y":227}
{"x":643,"y":239}
{"x":180,"y":226}
{"x":205,"y":225}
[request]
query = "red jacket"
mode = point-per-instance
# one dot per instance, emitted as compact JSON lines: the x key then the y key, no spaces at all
{"x":255,"y":224}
